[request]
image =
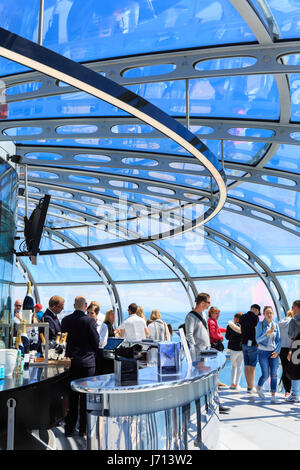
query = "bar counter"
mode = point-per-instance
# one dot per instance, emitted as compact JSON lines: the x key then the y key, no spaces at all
{"x":159,"y":413}
{"x":38,"y":396}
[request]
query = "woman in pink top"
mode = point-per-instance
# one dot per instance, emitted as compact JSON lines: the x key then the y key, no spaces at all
{"x":216,"y":338}
{"x":215,"y":331}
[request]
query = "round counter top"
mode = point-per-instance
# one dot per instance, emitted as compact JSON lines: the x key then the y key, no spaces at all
{"x":148,"y":377}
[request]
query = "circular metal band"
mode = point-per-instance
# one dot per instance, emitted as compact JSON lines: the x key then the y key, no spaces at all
{"x":25,"y":52}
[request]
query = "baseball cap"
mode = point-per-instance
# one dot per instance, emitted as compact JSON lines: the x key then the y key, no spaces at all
{"x":38,"y":306}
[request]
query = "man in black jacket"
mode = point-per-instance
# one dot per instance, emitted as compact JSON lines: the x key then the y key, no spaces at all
{"x":56,"y":306}
{"x":82,"y":345}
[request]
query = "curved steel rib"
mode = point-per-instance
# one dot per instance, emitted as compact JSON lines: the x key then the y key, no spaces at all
{"x":18,"y":49}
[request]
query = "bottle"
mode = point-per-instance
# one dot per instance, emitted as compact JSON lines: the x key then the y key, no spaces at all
{"x":62,"y":346}
{"x":28,"y":302}
{"x":18,"y":368}
{"x":58,"y":348}
{"x":26,"y":343}
{"x":43,"y":340}
{"x":19,"y":343}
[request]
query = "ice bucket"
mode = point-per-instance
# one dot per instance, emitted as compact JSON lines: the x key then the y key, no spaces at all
{"x":168,"y":358}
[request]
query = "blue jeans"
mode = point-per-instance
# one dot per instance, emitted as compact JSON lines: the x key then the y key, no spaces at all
{"x":269,"y":367}
{"x":250,"y":355}
{"x":295,"y":390}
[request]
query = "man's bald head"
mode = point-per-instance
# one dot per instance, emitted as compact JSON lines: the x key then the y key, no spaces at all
{"x":80,"y":303}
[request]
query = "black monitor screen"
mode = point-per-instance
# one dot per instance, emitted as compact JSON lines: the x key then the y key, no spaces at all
{"x":33,"y":228}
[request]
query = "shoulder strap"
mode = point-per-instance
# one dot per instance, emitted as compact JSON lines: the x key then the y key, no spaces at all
{"x":165,"y":326}
{"x":200,"y":318}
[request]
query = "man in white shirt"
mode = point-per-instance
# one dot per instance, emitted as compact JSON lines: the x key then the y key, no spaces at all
{"x":93,"y":311}
{"x":17,"y":315}
{"x":134,"y":328}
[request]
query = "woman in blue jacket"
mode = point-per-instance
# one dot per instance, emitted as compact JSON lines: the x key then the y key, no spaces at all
{"x":269,"y":344}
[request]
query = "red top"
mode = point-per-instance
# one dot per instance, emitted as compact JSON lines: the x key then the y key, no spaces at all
{"x":215,"y":331}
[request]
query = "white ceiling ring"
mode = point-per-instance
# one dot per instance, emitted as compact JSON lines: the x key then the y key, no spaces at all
{"x":31,"y":55}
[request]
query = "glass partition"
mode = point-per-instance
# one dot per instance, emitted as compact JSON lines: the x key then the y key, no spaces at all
{"x":7,"y":232}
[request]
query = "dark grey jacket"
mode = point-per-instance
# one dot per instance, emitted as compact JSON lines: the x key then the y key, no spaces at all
{"x":294,"y":327}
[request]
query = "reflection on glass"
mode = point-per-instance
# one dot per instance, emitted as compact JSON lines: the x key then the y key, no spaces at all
{"x":287,"y":16}
{"x":94,"y":30}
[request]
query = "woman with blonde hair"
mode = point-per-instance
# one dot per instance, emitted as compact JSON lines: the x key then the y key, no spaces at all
{"x":109,"y":320}
{"x":158,"y":329}
{"x":269,"y":345}
{"x":140,"y":312}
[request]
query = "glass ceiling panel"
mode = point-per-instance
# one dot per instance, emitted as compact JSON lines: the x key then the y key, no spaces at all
{"x":279,"y":249}
{"x":277,"y":199}
{"x":126,"y":263}
{"x":166,"y":176}
{"x":60,"y":268}
{"x":131,"y":27}
{"x":286,"y":158}
{"x":132,"y":263}
{"x":21,"y":18}
{"x":287,"y":17}
{"x":201,"y":257}
{"x":234,"y":151}
{"x":238,"y":151}
{"x":295,"y":93}
{"x":67,"y":105}
{"x":291,"y":287}
{"x":17,"y":276}
{"x":254,"y":96}
{"x":89,"y":235}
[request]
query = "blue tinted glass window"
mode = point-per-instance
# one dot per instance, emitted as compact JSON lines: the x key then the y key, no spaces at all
{"x":20,"y":18}
{"x":194,"y":252}
{"x":279,"y":249}
{"x":95,"y":30}
{"x":286,"y":158}
{"x":277,"y":199}
{"x":287,"y":17}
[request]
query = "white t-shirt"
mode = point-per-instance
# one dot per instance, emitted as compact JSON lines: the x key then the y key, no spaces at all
{"x":102,"y":330}
{"x":134,"y":327}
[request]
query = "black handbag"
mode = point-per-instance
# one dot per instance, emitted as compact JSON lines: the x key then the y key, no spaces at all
{"x":218,"y":345}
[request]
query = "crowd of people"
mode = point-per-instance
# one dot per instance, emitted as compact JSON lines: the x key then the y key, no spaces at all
{"x":88,"y":332}
{"x":250,"y":341}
